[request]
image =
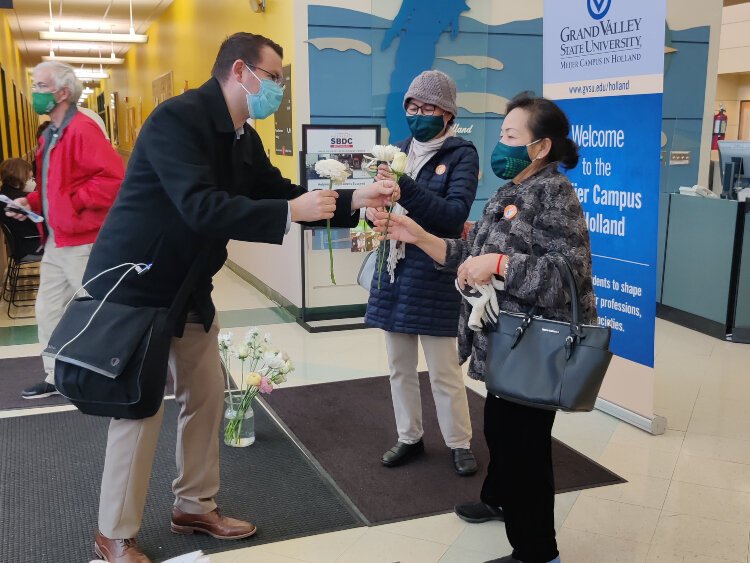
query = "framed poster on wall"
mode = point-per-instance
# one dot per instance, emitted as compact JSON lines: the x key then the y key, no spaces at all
{"x":283,"y":118}
{"x":323,"y":301}
{"x":162,"y":89}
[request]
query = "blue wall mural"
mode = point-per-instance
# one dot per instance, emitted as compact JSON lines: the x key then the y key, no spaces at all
{"x":362,"y":76}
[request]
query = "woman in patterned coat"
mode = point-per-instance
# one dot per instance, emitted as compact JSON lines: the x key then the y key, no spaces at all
{"x":535,"y":213}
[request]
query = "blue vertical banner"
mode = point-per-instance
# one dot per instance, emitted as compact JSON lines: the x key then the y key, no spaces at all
{"x":604,"y":66}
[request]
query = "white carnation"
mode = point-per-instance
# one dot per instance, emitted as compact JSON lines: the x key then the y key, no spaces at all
{"x":398,"y":165}
{"x":385,"y":153}
{"x":333,"y":169}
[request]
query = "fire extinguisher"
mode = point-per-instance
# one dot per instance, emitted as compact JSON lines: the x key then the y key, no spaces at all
{"x":720,"y":127}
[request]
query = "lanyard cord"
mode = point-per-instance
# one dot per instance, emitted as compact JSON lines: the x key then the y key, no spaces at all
{"x":140,"y":268}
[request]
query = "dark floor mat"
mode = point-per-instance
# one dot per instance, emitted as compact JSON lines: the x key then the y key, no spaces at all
{"x":50,"y":471}
{"x":16,"y":374}
{"x":347,"y":425}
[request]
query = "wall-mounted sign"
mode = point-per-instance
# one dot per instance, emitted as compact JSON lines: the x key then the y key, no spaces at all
{"x":283,"y":118}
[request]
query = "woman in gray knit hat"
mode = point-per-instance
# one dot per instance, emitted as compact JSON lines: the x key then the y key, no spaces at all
{"x":412,"y":301}
{"x":535,"y":213}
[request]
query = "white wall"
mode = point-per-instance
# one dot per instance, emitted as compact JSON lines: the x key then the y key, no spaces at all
{"x":276,"y":266}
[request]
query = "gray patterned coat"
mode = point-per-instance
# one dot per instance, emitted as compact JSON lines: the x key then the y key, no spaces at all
{"x":549,"y":218}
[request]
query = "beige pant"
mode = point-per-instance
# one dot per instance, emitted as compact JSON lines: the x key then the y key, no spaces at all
{"x":447,"y":384}
{"x":131,"y":445}
{"x":61,"y":275}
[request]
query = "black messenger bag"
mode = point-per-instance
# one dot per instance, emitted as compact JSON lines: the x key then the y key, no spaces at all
{"x":548,"y":364}
{"x":112,"y":359}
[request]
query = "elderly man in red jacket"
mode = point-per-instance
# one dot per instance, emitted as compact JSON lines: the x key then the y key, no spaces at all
{"x":78,"y":178}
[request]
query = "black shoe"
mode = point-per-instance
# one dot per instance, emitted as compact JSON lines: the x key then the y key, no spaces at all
{"x":478,"y":512}
{"x":401,"y":453}
{"x":464,"y":462}
{"x":39,"y":391}
{"x":506,"y":559}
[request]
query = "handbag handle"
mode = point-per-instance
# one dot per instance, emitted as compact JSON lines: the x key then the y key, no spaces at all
{"x":576,"y":333}
{"x":567,"y":271}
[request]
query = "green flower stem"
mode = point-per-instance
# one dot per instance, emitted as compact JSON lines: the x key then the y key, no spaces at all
{"x":234,"y":426}
{"x":330,"y":251}
{"x":330,"y":242}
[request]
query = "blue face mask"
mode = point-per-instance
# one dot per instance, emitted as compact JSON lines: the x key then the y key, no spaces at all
{"x":508,"y":162}
{"x":266,"y":101}
{"x":425,"y":127}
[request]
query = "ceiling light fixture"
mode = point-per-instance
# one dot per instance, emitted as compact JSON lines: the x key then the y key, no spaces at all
{"x":93,"y":36}
{"x":86,"y":74}
{"x":112,"y":44}
{"x":85,"y":60}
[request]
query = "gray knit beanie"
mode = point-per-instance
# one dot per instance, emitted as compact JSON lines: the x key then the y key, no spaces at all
{"x":436,"y":88}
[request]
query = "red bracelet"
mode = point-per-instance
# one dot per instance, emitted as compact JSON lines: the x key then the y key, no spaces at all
{"x":499,"y":261}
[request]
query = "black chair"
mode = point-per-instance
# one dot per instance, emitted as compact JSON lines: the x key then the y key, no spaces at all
{"x":21,"y":281}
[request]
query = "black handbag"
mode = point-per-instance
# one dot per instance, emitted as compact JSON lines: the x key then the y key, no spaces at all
{"x":112,"y":359}
{"x":548,"y":364}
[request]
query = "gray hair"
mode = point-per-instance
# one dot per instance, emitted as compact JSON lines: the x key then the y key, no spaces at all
{"x":63,"y":76}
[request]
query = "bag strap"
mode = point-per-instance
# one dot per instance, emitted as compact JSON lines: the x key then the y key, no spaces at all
{"x":567,"y":271}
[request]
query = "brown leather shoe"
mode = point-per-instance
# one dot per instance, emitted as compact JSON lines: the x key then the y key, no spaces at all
{"x":118,"y":551}
{"x":213,"y":524}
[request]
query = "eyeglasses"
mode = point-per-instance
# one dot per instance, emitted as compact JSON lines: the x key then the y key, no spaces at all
{"x":276,"y":78}
{"x":425,"y":109}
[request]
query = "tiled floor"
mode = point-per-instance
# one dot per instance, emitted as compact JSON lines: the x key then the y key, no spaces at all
{"x":688,"y":493}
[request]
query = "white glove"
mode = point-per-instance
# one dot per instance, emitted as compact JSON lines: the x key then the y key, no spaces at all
{"x":492,"y":309}
{"x":485,"y":309}
{"x":478,"y":301}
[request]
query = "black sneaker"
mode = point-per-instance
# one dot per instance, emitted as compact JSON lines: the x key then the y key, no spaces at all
{"x":478,"y":512}
{"x":39,"y":391}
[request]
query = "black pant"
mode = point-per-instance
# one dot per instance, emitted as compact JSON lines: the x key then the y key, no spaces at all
{"x":519,"y":477}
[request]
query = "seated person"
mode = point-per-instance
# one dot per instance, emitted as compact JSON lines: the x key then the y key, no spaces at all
{"x":16,"y":180}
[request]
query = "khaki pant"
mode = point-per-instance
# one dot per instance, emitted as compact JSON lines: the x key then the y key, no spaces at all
{"x":447,"y":384}
{"x":61,"y":275}
{"x":131,"y":445}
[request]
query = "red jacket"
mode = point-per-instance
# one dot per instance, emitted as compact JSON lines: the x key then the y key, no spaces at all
{"x":83,"y":178}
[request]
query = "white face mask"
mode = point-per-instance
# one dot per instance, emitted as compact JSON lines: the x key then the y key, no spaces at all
{"x":30,"y":185}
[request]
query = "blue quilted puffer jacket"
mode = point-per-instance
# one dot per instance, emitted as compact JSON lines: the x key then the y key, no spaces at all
{"x":424,"y":300}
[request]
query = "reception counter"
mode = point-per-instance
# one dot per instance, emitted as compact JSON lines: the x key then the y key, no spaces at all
{"x":706,"y":276}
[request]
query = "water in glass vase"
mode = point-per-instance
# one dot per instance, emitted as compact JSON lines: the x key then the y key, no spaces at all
{"x":239,"y":430}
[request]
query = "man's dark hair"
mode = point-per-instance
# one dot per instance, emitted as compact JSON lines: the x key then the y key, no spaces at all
{"x":245,"y":46}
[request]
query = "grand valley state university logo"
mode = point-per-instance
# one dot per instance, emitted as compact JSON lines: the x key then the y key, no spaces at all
{"x":599,"y":8}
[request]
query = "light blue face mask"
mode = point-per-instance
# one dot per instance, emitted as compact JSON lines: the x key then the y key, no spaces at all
{"x":266,"y":101}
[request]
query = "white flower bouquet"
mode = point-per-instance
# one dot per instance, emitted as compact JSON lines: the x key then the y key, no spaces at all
{"x":396,"y":160}
{"x":266,"y":367}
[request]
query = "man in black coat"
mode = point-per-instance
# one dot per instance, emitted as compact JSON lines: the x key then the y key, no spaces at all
{"x":198,"y":177}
